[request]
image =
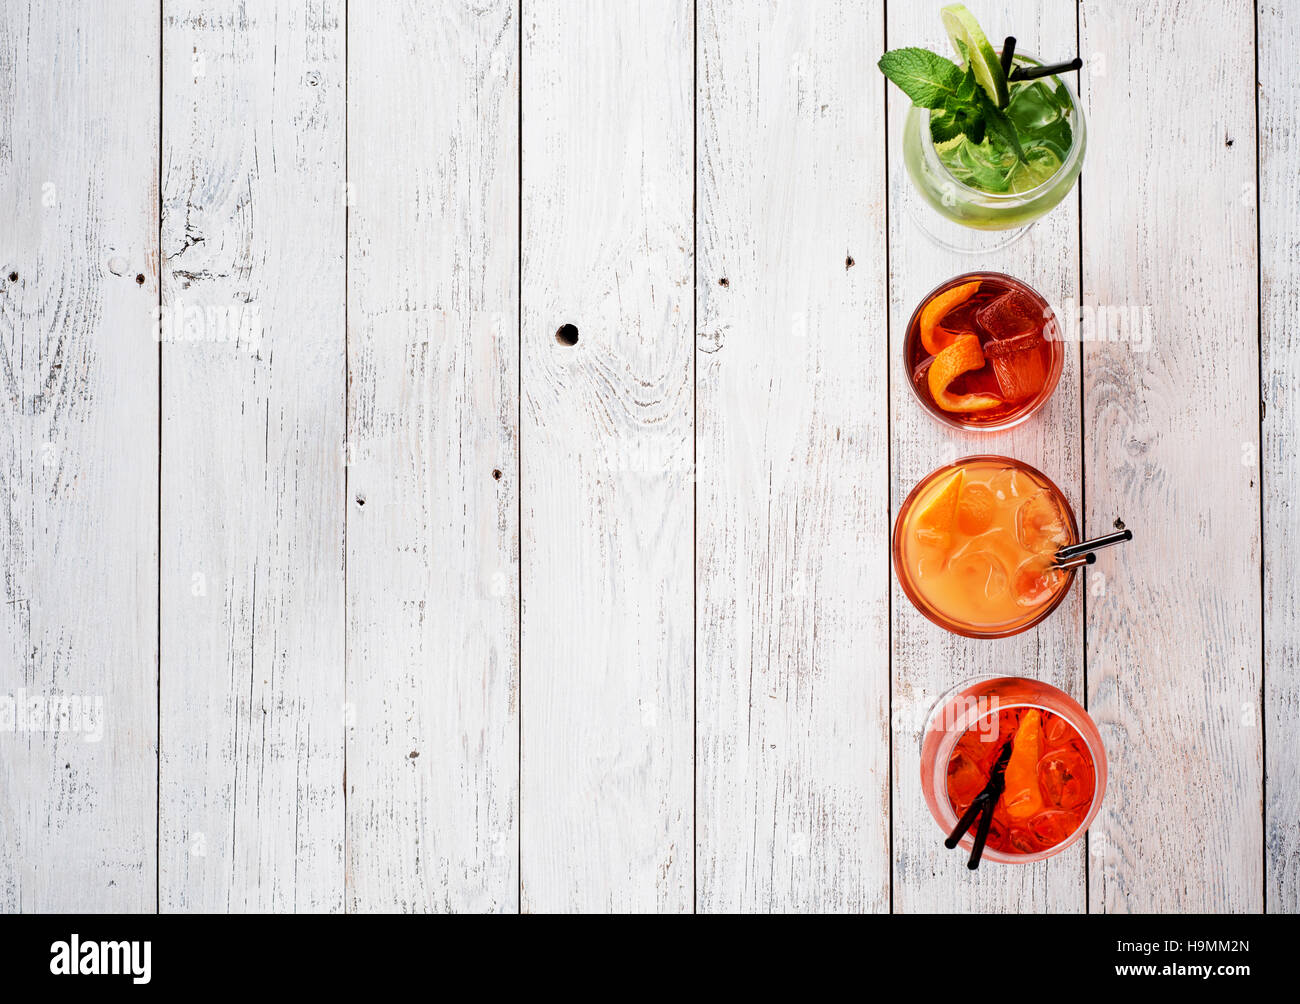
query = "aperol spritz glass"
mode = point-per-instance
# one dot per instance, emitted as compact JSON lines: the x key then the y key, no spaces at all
{"x":1055,"y":776}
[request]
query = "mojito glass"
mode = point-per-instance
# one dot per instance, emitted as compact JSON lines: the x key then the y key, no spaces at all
{"x":978,"y":187}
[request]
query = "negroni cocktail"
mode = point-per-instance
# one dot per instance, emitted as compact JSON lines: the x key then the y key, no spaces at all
{"x":1044,"y":750}
{"x":983,"y":351}
{"x":976,"y":546}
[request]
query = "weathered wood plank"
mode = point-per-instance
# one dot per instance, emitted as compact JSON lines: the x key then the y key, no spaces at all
{"x":927,"y":660}
{"x":1279,"y":163}
{"x":607,"y":454}
{"x":251,"y":808}
{"x":432,"y":530}
{"x":79,"y":453}
{"x":1172,"y":447}
{"x":793,"y":622}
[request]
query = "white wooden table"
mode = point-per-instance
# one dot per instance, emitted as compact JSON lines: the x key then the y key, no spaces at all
{"x":396,"y":602}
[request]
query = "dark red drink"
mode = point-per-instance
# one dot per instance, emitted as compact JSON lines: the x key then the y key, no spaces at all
{"x":983,"y":351}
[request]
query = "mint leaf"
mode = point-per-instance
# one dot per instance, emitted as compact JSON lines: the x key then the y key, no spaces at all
{"x":943,"y":127}
{"x":974,"y":128}
{"x":1002,"y":130}
{"x":968,"y":117}
{"x":1057,"y":135}
{"x":924,"y":76}
{"x":1062,"y":97}
{"x":968,"y":86}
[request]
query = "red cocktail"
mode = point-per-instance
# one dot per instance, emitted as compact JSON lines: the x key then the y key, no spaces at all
{"x":983,"y":351}
{"x":1049,"y":753}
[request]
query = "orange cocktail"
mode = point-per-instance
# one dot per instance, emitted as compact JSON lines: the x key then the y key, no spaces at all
{"x":975,"y":546}
{"x":1054,"y":770}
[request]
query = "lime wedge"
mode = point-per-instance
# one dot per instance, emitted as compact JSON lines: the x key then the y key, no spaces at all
{"x":972,"y":44}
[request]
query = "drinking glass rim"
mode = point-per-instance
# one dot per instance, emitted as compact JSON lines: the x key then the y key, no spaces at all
{"x":913,"y":594}
{"x":1077,"y":136}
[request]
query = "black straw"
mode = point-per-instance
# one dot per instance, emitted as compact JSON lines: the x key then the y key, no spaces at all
{"x":1008,"y":51}
{"x":1034,"y":72}
{"x":982,"y":805}
{"x":964,"y":824}
{"x":1077,"y":561}
{"x":1070,"y":550}
{"x":981,"y":837}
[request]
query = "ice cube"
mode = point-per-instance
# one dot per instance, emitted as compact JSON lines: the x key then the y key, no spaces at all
{"x":1022,"y":841}
{"x":1018,"y":363}
{"x":1011,"y":314}
{"x":981,"y":574}
{"x":980,"y":745}
{"x":1065,"y":779}
{"x":1036,"y":580}
{"x":1052,"y":826}
{"x":965,"y":779}
{"x":1056,"y":731}
{"x":1009,"y":483}
{"x":961,"y":319}
{"x":1040,"y":524}
{"x":997,"y":542}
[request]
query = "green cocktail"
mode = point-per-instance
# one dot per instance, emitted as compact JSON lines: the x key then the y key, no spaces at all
{"x":990,"y":144}
{"x":989,"y":188}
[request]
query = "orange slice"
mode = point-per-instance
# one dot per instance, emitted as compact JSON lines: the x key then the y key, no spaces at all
{"x":1022,"y":797}
{"x":960,"y":357}
{"x":934,"y":522}
{"x":940,"y":339}
{"x":934,"y":338}
{"x":975,"y":509}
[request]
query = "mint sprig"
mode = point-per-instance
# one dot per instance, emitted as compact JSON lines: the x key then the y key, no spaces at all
{"x":958,"y":105}
{"x":1001,"y":129}
{"x":925,"y":77}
